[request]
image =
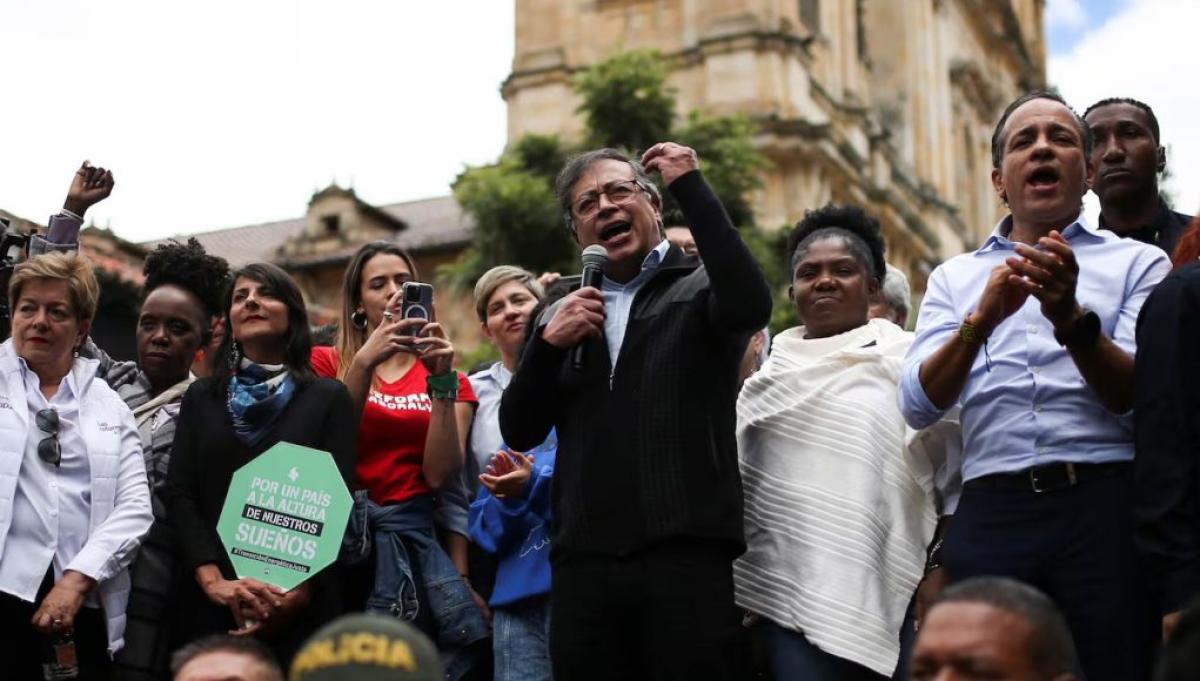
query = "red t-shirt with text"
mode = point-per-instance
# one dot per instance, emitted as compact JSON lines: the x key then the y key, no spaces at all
{"x":391,"y":436}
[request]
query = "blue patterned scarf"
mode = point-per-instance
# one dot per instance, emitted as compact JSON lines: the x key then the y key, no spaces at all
{"x":258,"y":394}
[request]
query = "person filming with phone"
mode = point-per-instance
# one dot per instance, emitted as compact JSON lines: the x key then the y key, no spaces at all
{"x":647,"y":501}
{"x":415,"y":413}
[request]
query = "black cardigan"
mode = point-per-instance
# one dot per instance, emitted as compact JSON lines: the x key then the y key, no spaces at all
{"x":1167,"y":435}
{"x":204,"y":457}
{"x":647,"y":451}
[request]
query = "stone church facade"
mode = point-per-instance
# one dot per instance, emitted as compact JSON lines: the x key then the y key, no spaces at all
{"x":886,"y":103}
{"x":889,"y":104}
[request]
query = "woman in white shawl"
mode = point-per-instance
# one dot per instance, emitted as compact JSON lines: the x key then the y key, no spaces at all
{"x":840,"y":507}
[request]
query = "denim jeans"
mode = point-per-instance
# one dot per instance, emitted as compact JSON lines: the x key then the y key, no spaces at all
{"x":794,"y":658}
{"x":521,"y":640}
{"x":405,"y":547}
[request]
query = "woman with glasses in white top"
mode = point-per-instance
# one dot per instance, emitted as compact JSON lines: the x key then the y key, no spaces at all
{"x":74,"y":502}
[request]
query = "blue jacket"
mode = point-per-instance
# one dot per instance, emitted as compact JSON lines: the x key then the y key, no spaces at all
{"x":517,"y":531}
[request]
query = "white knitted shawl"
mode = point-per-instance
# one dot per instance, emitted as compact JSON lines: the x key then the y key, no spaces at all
{"x":839,"y":509}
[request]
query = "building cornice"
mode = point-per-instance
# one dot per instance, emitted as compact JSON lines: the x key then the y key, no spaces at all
{"x":757,"y":41}
{"x":1005,"y":37}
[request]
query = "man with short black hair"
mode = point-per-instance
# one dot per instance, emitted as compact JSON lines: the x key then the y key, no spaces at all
{"x":1033,"y":337}
{"x":647,"y":499}
{"x":994,"y":628}
{"x":225,"y":658}
{"x":1128,"y":157}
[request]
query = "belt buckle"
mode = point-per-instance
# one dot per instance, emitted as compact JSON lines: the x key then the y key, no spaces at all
{"x":1033,"y":480}
{"x":1072,"y":479}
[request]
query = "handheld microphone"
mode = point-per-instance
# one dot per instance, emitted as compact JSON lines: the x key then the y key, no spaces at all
{"x":594,"y":257}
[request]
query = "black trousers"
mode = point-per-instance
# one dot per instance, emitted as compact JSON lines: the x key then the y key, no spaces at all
{"x":665,"y":613}
{"x":25,"y":648}
{"x":1076,"y":545}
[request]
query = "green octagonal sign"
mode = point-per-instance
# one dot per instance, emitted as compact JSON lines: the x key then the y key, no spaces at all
{"x":285,"y":515}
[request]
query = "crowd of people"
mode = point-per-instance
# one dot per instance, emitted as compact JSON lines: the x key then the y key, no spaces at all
{"x":646,"y":485}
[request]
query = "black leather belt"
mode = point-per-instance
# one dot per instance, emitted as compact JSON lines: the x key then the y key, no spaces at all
{"x":1050,"y":477}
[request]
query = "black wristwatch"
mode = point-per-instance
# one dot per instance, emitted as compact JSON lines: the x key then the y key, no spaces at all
{"x":1083,"y":334}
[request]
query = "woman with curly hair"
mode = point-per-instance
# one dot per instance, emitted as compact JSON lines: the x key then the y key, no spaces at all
{"x":839,"y":505}
{"x":180,"y":298}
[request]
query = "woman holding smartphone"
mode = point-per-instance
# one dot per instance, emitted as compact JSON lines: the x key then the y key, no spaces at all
{"x":415,"y":412}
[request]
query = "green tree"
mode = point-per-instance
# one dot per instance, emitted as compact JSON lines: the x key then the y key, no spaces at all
{"x":730,"y":161}
{"x":517,"y":220}
{"x":626,"y":101}
{"x":541,"y":155}
{"x":770,"y":249}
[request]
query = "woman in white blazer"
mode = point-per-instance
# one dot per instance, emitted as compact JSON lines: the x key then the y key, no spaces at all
{"x":74,"y":502}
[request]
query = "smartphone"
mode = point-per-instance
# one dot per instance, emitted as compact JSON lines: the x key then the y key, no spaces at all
{"x":416,"y":301}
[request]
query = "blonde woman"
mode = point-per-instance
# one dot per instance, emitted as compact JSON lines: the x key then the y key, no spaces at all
{"x":74,"y":501}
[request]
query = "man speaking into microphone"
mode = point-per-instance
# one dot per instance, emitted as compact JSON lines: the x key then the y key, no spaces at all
{"x":647,"y":501}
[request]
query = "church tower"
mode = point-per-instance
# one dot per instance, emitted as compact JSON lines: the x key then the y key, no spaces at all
{"x":885,"y":103}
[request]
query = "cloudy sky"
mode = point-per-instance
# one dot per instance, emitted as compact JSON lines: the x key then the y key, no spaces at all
{"x":1145,"y":49}
{"x":226,"y":113}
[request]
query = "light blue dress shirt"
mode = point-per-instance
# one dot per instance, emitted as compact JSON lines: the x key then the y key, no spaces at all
{"x":1025,"y":403}
{"x":618,"y":300}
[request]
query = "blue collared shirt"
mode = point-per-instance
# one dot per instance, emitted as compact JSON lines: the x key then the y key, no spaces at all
{"x":1025,"y":403}
{"x":618,"y":300}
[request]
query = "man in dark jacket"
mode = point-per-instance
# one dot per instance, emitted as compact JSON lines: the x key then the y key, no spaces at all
{"x":1128,"y":158}
{"x":647,"y":499}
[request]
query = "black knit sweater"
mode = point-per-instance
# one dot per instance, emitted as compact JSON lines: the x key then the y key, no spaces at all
{"x":651,"y":456}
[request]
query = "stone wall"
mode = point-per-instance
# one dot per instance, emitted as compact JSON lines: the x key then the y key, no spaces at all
{"x":887,"y":103}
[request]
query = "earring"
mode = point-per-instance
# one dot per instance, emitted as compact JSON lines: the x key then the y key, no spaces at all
{"x":359,"y":319}
{"x":235,"y":356}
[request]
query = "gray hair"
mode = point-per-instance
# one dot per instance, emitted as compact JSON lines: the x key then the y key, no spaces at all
{"x":896,"y":292}
{"x":578,"y":165}
{"x":498,"y":276}
{"x":1050,"y":644}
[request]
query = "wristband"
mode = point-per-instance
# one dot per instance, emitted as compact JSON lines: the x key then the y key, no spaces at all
{"x":970,"y":334}
{"x":442,"y":386}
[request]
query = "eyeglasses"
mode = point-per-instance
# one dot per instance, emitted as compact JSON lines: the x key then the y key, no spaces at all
{"x":620,"y":193}
{"x":48,"y":449}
